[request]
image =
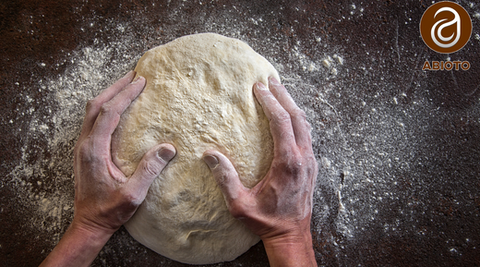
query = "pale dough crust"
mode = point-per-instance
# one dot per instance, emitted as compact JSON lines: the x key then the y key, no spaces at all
{"x":198,"y":96}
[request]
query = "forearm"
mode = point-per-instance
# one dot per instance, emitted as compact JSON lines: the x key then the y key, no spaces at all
{"x":78,"y":247}
{"x":290,"y":251}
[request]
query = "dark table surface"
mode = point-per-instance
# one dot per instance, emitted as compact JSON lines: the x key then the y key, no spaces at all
{"x":399,"y":147}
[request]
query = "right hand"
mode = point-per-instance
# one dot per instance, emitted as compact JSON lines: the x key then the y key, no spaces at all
{"x":279,"y":207}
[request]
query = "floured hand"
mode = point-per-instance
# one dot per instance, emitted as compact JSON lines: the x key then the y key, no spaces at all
{"x":104,"y":197}
{"x":278,"y":208}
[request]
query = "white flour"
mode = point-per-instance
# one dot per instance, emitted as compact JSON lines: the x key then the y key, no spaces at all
{"x":89,"y":70}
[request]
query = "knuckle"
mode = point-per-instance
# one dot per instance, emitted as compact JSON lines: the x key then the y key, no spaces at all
{"x":129,"y":201}
{"x":293,"y":168}
{"x":130,"y":204}
{"x":288,"y":135}
{"x":237,"y":209}
{"x":84,"y":152}
{"x":92,"y":105}
{"x":301,"y":117}
{"x":110,"y":111}
{"x":299,"y":114}
{"x":222,"y":177}
{"x":106,"y":109}
{"x":282,"y":117}
{"x":296,"y":164}
{"x":152,"y":168}
{"x":282,"y":120}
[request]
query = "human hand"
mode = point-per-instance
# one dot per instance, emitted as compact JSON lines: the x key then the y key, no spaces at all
{"x":104,"y":197}
{"x":278,"y":208}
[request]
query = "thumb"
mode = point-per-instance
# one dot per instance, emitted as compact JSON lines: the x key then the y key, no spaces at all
{"x":227,"y":179}
{"x":152,"y":163}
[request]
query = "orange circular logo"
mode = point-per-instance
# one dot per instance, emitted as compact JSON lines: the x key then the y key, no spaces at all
{"x":446,"y":27}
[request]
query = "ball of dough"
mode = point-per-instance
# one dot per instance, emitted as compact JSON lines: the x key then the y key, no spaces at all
{"x":198,"y":96}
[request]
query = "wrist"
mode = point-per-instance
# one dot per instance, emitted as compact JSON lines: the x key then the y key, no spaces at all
{"x":79,"y":245}
{"x":290,"y":249}
{"x":90,"y":230}
{"x":300,"y":237}
{"x":288,"y":232}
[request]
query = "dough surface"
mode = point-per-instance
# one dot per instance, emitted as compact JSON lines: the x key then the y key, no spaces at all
{"x":198,"y":96}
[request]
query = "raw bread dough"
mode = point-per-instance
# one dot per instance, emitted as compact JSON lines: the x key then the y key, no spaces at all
{"x":198,"y":96}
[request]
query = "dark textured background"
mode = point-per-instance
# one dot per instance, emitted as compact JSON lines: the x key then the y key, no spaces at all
{"x":398,"y":147}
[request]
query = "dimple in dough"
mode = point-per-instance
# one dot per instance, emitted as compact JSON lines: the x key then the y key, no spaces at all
{"x":198,"y":96}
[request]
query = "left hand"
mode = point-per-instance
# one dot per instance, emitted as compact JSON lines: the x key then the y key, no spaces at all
{"x":104,"y":197}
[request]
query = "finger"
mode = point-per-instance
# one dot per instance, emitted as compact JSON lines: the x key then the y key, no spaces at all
{"x":149,"y":168}
{"x":94,"y":105}
{"x":227,"y":179}
{"x":280,"y":122}
{"x":110,"y":112}
{"x":109,"y":93}
{"x":301,"y":127}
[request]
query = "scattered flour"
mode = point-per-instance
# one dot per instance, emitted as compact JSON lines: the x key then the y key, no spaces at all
{"x":43,"y":179}
{"x":52,"y":133}
{"x":369,"y":123}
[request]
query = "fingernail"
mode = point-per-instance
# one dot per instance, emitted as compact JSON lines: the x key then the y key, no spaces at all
{"x":274,"y":81}
{"x":211,"y":161}
{"x":136,"y":79}
{"x":166,"y":154}
{"x":129,"y":73}
{"x":261,"y":86}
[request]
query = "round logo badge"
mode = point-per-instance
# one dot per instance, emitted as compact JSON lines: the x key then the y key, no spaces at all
{"x":445,"y":27}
